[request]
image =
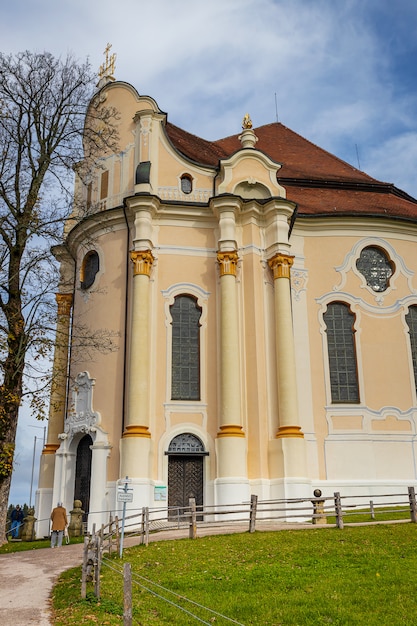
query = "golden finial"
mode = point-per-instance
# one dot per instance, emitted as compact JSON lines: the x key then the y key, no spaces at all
{"x":107,"y":68}
{"x":247,"y":122}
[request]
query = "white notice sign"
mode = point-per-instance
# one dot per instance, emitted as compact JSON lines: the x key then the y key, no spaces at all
{"x":123,"y":496}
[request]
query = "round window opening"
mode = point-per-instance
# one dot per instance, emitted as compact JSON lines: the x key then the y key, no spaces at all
{"x":375,"y":267}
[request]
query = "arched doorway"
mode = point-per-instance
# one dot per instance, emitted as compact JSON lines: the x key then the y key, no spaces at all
{"x":83,"y":473}
{"x":185,"y":472}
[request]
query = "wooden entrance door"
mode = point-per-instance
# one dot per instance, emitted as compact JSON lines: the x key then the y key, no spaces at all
{"x":83,"y":473}
{"x":185,"y":481}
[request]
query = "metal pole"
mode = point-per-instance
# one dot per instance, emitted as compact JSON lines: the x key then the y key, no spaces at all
{"x":33,"y":466}
{"x":123,"y":521}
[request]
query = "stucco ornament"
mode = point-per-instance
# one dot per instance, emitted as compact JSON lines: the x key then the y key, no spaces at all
{"x":81,"y":417}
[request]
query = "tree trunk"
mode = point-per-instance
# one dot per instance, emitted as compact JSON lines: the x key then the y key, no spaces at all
{"x":7,"y":447}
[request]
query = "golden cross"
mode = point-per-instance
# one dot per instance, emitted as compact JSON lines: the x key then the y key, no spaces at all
{"x":107,"y":68}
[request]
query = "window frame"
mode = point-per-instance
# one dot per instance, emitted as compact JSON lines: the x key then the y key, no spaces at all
{"x":343,"y":378}
{"x":181,"y":373}
{"x":189,"y":178}
{"x":83,"y":271}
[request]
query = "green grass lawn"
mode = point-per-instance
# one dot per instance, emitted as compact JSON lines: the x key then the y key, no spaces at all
{"x":359,"y":575}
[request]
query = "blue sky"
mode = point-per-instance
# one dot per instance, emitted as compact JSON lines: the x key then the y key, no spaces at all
{"x":344,"y":73}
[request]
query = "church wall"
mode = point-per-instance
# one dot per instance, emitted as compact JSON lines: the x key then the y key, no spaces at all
{"x":371,"y":440}
{"x":102,"y":308}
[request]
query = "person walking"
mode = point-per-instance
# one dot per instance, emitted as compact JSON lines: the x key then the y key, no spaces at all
{"x":59,"y":523}
{"x":17,"y":519}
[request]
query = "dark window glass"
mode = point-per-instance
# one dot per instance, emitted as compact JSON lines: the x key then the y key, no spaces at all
{"x":186,"y":184}
{"x":375,"y":267}
{"x":185,"y":443}
{"x":90,"y":268}
{"x":411,"y":319}
{"x":342,"y":353}
{"x":185,"y":349}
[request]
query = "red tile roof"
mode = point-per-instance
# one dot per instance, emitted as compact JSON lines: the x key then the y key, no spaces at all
{"x":319,"y":182}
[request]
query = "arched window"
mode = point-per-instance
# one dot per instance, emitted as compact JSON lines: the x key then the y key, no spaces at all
{"x":340,"y":331}
{"x":375,"y":267}
{"x":411,"y":319}
{"x":186,"y":443}
{"x":185,"y":378}
{"x":89,"y":268}
{"x":186,"y":183}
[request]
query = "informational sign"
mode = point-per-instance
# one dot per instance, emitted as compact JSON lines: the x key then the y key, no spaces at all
{"x":160,"y":493}
{"x":124,"y":496}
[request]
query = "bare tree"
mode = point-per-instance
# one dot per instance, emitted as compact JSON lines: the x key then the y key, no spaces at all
{"x":44,"y":137}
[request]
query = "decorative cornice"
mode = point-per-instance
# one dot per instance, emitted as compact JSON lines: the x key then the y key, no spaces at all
{"x":280,"y":265}
{"x":227,"y":262}
{"x":64,"y":301}
{"x":142,"y":262}
{"x":290,"y":431}
{"x":231,"y":430}
{"x":136,"y":431}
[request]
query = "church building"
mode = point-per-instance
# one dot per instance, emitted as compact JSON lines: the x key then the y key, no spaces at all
{"x":261,"y":298}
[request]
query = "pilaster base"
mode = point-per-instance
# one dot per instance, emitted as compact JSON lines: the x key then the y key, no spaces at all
{"x":231,"y":454}
{"x":43,"y":509}
{"x":135,"y":457}
{"x":231,"y":491}
{"x":287,"y":457}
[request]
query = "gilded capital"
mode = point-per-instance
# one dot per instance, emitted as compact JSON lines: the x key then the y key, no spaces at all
{"x":280,"y":265}
{"x":227,"y":262}
{"x":142,"y":262}
{"x":64,"y":301}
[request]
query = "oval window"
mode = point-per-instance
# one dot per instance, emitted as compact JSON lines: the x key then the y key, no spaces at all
{"x":89,"y":269}
{"x":186,"y":184}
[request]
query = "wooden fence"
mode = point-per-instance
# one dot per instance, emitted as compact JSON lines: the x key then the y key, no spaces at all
{"x":264,"y":514}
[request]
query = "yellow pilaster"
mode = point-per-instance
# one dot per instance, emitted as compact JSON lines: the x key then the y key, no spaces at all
{"x":137,"y":421}
{"x":136,"y":438}
{"x":230,"y":409}
{"x":280,"y":265}
{"x":231,"y":441}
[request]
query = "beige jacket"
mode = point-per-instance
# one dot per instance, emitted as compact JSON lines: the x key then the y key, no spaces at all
{"x":59,"y":518}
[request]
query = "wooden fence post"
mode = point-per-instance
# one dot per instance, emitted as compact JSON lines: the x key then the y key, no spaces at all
{"x":116,"y":522}
{"x":97,"y":566}
{"x":142,"y":533}
{"x":372,"y":509}
{"x":338,"y":510}
{"x":110,"y":534}
{"x":253,"y":507}
{"x":84,"y":569}
{"x":146,"y":526}
{"x":413,"y":504}
{"x":193,"y":519}
{"x":127,"y":595}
